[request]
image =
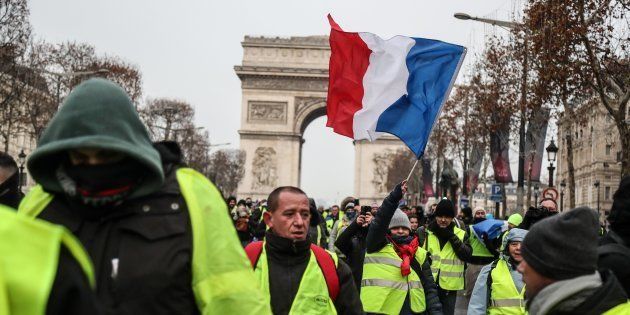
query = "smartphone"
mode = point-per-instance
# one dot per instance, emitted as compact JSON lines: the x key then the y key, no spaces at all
{"x":365,"y":210}
{"x":356,"y":202}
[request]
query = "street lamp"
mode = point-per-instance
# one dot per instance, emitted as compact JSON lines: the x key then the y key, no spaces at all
{"x":521,"y":129}
{"x":563,"y":184}
{"x":596,"y":184}
{"x":536,"y":194}
{"x":552,"y":150}
{"x":22,"y":159}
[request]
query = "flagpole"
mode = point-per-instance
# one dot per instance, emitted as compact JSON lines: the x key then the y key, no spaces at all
{"x":413,"y":168}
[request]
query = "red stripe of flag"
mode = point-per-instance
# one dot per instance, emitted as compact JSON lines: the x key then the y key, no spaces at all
{"x":349,"y":60}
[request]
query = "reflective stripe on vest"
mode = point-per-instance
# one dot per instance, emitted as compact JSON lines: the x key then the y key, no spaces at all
{"x":504,"y":297}
{"x":383,"y":288}
{"x":448,"y":270}
{"x":478,"y":248}
{"x":30,"y":269}
{"x":312,"y":296}
{"x":211,"y":278}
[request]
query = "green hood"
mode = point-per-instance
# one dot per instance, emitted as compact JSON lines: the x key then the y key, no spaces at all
{"x":96,"y":114}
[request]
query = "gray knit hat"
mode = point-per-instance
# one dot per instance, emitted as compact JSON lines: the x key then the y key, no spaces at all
{"x":563,"y":246}
{"x":399,"y":219}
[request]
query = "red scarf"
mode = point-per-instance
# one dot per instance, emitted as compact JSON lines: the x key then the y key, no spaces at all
{"x":406,"y":252}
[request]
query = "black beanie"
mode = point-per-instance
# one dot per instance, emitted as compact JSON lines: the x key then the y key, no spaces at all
{"x":563,"y":246}
{"x":445,"y":209}
{"x":619,"y":217}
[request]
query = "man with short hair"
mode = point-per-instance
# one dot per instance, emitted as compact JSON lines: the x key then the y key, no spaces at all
{"x":332,"y":217}
{"x":291,"y":271}
{"x":559,"y":268}
{"x":10,"y":194}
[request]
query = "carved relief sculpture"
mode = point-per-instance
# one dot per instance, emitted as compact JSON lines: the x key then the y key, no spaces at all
{"x":270,"y":112}
{"x":264,"y":168}
{"x":381,"y":162}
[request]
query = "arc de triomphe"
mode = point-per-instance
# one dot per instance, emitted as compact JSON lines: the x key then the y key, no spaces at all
{"x":284,"y":83}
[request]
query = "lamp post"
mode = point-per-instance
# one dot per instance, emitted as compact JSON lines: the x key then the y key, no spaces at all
{"x":552,"y":150}
{"x":521,"y":128}
{"x":536,"y":194}
{"x":563,"y":184}
{"x":596,"y":184}
{"x":22,"y":159}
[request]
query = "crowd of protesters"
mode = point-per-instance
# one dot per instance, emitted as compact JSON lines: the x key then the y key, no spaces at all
{"x":119,"y":225}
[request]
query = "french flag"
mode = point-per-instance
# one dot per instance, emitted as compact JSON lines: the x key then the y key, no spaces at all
{"x":396,"y":86}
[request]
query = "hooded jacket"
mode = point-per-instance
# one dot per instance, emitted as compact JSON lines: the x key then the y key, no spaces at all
{"x":479,"y":299}
{"x":142,"y":248}
{"x":119,"y":129}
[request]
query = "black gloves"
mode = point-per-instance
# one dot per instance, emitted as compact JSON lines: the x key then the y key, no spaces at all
{"x":396,"y":194}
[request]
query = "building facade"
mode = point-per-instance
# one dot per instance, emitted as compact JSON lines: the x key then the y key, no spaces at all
{"x":596,"y":157}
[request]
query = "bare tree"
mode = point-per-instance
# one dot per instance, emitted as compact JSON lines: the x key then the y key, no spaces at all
{"x":226,"y":169}
{"x":173,"y":120}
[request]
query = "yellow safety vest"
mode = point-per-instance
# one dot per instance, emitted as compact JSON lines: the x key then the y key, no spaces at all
{"x":478,"y":248}
{"x":621,"y":309}
{"x":504,"y":297}
{"x":218,"y":259}
{"x":384,"y":289}
{"x":312,"y":296}
{"x":28,"y":264}
{"x":448,"y":270}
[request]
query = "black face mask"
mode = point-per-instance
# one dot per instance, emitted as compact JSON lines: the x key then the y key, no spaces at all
{"x":402,"y":240}
{"x":101,"y":185}
{"x":351,"y":215}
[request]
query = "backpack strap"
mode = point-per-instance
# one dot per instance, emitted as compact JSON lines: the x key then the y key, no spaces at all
{"x":489,"y":282}
{"x":253,"y":251}
{"x":327,"y":265}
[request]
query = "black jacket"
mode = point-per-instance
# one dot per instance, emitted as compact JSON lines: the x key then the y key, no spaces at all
{"x":71,"y":293}
{"x":376,"y":239}
{"x":618,"y":263}
{"x":595,"y":301}
{"x":287,"y":261}
{"x":10,"y":194}
{"x":351,"y":242}
{"x":141,"y":250}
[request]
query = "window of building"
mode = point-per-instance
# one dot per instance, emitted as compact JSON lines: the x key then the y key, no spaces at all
{"x":607,"y":193}
{"x":608,"y":147}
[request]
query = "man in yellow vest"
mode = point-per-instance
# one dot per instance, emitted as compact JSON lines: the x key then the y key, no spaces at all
{"x":449,"y":249}
{"x":296,"y":276}
{"x":499,"y":288}
{"x":158,"y":233}
{"x":397,"y":275}
{"x":559,"y":268}
{"x":43,"y":269}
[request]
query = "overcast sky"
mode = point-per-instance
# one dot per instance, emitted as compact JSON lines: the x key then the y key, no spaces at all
{"x":188,"y":49}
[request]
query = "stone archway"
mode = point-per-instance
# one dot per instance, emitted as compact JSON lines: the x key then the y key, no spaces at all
{"x":284,"y":85}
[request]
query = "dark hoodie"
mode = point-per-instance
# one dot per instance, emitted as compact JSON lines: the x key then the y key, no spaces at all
{"x":141,"y":247}
{"x":119,"y":129}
